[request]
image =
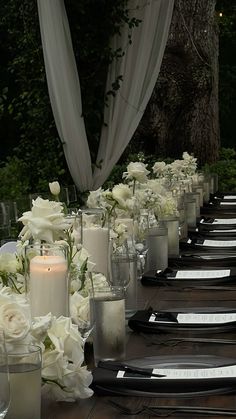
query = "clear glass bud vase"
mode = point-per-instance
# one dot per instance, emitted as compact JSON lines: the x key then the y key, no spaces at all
{"x":123,"y":266}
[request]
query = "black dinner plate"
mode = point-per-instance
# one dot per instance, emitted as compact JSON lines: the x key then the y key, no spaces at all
{"x":202,"y":260}
{"x":197,"y":245}
{"x":167,"y":278}
{"x":139,"y":322}
{"x":208,"y":223}
{"x":105,"y":381}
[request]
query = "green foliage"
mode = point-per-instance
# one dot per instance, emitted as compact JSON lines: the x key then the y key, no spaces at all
{"x":226,"y":170}
{"x":92,"y":27}
{"x":24,"y":102}
{"x":227,"y":70}
{"x":14,"y":179}
{"x":27,"y":127}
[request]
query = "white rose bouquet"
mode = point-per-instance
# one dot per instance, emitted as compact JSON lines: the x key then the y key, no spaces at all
{"x":64,"y":377}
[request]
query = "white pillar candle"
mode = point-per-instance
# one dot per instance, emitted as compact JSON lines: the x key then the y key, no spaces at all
{"x":48,"y":286}
{"x":96,"y":242}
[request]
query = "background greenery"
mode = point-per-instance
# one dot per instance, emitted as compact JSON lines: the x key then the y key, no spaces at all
{"x":31,"y":152}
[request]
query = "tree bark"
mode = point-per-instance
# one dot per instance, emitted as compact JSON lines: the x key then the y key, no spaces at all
{"x":182,"y":114}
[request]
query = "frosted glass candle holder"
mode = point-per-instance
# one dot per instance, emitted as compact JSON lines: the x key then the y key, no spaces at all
{"x":206,"y":189}
{"x":191,"y":214}
{"x":108,"y":310}
{"x":157,"y":245}
{"x":172,"y":225}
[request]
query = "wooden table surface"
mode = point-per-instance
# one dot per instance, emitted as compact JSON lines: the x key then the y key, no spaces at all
{"x":98,"y":407}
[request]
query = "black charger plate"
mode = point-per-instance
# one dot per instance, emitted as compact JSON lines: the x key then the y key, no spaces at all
{"x":139,"y":322}
{"x":105,"y":382}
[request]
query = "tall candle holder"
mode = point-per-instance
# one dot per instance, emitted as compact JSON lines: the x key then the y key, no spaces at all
{"x":157,"y":244}
{"x":172,"y":224}
{"x":47,"y":279}
{"x":95,"y":237}
{"x":206,"y":189}
{"x":191,"y":213}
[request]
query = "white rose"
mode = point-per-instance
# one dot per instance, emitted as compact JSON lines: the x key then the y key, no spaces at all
{"x":121,"y":193}
{"x":65,"y":337}
{"x":74,"y":385}
{"x":159,"y":167}
{"x":8,"y":262}
{"x":45,"y":221}
{"x":54,"y":188}
{"x":14,"y":319}
{"x":79,"y":309}
{"x":53,"y":364}
{"x":78,"y":380}
{"x":40,"y":326}
{"x":94,"y":198}
{"x":136,"y":171}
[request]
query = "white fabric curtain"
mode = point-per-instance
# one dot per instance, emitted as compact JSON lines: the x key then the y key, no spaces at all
{"x":64,"y":89}
{"x":139,"y":68}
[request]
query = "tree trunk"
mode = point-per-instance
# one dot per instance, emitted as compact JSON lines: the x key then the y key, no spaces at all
{"x":182,"y":114}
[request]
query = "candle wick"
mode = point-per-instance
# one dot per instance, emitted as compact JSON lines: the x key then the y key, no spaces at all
{"x":49,"y":269}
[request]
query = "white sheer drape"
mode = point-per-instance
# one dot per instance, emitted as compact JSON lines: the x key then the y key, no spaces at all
{"x":64,"y":89}
{"x":139,"y":68}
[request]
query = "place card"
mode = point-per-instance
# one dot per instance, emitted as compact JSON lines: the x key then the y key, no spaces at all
{"x":227,"y":203}
{"x":195,"y":373}
{"x":217,"y":243}
{"x":215,"y":257}
{"x":228,"y":371}
{"x":206,"y":318}
{"x":224,"y":221}
{"x":218,"y":273}
{"x":219,"y":221}
{"x":223,"y":231}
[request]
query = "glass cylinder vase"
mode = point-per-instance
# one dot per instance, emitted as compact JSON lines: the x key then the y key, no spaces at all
{"x":190,"y":209}
{"x":95,"y":238}
{"x":47,"y":279}
{"x":124,"y":274}
{"x":199,"y":189}
{"x":157,"y":245}
{"x":172,"y":225}
{"x":206,"y":189}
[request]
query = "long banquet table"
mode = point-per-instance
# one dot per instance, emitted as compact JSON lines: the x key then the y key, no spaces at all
{"x":139,"y":345}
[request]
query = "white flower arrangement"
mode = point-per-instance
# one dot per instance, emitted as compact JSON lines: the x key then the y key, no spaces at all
{"x":120,"y":198}
{"x":45,"y":221}
{"x":136,"y":171}
{"x":64,"y":377}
